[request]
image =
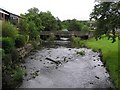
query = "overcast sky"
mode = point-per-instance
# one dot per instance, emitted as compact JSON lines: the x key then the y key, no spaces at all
{"x":64,"y":9}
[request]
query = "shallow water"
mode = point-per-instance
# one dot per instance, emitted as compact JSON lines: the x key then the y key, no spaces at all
{"x":75,"y":70}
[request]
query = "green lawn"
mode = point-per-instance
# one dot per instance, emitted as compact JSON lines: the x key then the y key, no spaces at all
{"x":110,"y":56}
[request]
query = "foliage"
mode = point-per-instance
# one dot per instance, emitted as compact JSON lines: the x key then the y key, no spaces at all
{"x":51,"y":37}
{"x":32,"y":30}
{"x":110,"y":56}
{"x":2,"y":53}
{"x":85,"y":28}
{"x":107,"y":18}
{"x":81,"y":53}
{"x":23,"y":25}
{"x":11,"y":58}
{"x":49,"y":22}
{"x":35,"y":21}
{"x":20,"y":41}
{"x":76,"y":25}
{"x":77,"y":42}
{"x":8,"y":30}
{"x":18,"y":74}
{"x":15,"y":56}
{"x":7,"y":60}
{"x":34,"y":44}
{"x":27,"y":38}
{"x":7,"y":44}
{"x":38,"y":39}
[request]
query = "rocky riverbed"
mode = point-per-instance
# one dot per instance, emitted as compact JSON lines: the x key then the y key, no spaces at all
{"x":74,"y":71}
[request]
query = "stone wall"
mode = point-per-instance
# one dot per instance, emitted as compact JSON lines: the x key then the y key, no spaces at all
{"x":23,"y":51}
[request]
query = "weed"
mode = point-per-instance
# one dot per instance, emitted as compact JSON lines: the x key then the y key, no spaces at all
{"x":81,"y":53}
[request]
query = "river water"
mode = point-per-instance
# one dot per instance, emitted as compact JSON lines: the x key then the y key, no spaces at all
{"x":74,"y":71}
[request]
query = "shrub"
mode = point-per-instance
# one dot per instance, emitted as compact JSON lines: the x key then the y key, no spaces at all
{"x":38,"y":38}
{"x":7,"y":60}
{"x":77,"y":42}
{"x":20,"y":41}
{"x":8,"y":30}
{"x":32,"y":30}
{"x":7,"y":44}
{"x":14,"y":56}
{"x":27,"y":38}
{"x":18,"y":74}
{"x":51,"y":38}
{"x":34,"y":43}
{"x":81,"y":53}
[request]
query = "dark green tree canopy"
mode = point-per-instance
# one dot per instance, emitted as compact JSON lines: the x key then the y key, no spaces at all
{"x":75,"y":25}
{"x":107,"y":17}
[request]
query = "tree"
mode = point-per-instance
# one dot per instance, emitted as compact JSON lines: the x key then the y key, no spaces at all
{"x":59,"y":24}
{"x":75,"y":25}
{"x":48,"y":21}
{"x":33,"y":10}
{"x":85,"y":28}
{"x":107,"y":16}
{"x":31,"y":23}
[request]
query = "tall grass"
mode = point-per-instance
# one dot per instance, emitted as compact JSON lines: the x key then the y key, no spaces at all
{"x":110,"y":56}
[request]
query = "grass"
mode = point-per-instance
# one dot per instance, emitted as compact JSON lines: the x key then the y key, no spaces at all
{"x":110,"y":56}
{"x":82,"y":53}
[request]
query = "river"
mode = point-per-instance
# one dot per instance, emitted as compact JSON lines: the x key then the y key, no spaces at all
{"x":74,"y":71}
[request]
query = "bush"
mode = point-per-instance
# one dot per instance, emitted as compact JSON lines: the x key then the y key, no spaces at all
{"x":18,"y":74}
{"x":38,"y":38}
{"x":8,"y":30}
{"x":81,"y":53}
{"x":27,"y":38}
{"x":7,"y":60}
{"x":51,"y":37}
{"x":34,"y":43}
{"x":14,"y":56}
{"x":77,"y":42}
{"x":7,"y":44}
{"x":20,"y":41}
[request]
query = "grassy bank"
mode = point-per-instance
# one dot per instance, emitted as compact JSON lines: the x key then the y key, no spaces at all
{"x":109,"y":51}
{"x":110,"y":56}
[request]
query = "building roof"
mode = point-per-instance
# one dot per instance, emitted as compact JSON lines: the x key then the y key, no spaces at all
{"x":8,"y":13}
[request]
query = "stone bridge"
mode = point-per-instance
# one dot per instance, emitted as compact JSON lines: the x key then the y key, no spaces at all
{"x":67,"y":34}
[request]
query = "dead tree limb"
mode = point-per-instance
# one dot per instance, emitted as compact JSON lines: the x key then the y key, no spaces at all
{"x":56,"y":62}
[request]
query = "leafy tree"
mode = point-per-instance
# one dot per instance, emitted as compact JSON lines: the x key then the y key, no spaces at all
{"x":59,"y":24}
{"x":75,"y":25}
{"x":85,"y":28}
{"x":31,"y":23}
{"x":33,"y":10}
{"x":9,"y":30}
{"x":33,"y":33}
{"x":107,"y":16}
{"x":48,"y":21}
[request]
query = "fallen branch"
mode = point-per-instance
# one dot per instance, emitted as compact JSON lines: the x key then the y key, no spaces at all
{"x":56,"y":62}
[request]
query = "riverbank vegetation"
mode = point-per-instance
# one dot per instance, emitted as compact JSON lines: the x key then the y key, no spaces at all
{"x":110,"y":56}
{"x":10,"y":60}
{"x":107,"y":21}
{"x":107,"y":18}
{"x":109,"y":53}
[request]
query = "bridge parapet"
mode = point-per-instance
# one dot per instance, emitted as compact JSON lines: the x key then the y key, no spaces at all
{"x":67,"y":33}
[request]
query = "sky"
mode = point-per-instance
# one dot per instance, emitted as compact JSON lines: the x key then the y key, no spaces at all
{"x":63,"y":9}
